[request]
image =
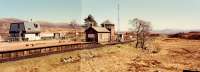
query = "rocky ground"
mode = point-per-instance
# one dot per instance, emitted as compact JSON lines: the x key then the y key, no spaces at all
{"x":171,"y":55}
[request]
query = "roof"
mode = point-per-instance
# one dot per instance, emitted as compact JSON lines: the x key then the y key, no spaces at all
{"x":31,"y":27}
{"x":100,"y":29}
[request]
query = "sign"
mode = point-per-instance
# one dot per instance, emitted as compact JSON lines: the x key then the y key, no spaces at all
{"x":91,"y":35}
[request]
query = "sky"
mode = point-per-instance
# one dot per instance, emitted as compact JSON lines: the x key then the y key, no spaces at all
{"x":163,"y":14}
{"x":44,"y":10}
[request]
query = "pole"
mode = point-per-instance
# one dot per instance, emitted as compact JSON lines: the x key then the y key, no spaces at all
{"x":118,"y":11}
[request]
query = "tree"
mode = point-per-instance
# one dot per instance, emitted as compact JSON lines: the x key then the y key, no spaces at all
{"x":90,"y":21}
{"x":74,"y":24}
{"x":142,"y":30}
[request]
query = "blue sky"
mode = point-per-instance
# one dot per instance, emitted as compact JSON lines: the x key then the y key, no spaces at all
{"x":47,"y":10}
{"x":163,"y":14}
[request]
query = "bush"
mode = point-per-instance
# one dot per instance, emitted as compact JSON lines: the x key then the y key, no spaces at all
{"x":195,"y":37}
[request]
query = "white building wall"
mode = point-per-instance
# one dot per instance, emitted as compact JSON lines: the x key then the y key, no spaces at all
{"x":103,"y":37}
{"x":32,"y":37}
{"x":46,"y":35}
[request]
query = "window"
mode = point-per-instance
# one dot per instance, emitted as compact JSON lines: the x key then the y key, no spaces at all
{"x":29,"y":28}
{"x":18,"y":26}
{"x":37,"y":34}
{"x":36,"y":25}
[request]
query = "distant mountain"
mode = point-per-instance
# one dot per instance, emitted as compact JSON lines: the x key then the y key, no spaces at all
{"x":58,"y":25}
{"x":53,"y":27}
{"x":5,"y":24}
{"x":174,"y":31}
{"x":169,"y":31}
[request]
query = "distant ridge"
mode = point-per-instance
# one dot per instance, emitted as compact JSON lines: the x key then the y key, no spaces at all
{"x":174,"y":31}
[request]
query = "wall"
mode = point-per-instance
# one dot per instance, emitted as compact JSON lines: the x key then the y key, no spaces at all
{"x":32,"y":37}
{"x":46,"y":35}
{"x":113,"y":36}
{"x":91,"y":31}
{"x":14,"y":34}
{"x":103,"y":37}
{"x":1,"y":39}
{"x":111,"y":28}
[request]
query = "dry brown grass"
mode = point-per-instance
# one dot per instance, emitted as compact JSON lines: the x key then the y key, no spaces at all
{"x":174,"y":56}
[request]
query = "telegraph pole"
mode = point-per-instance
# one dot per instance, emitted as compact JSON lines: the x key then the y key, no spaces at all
{"x":31,"y":20}
{"x":118,"y":15}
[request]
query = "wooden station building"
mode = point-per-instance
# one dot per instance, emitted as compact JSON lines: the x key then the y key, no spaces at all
{"x":97,"y":34}
{"x":101,"y":34}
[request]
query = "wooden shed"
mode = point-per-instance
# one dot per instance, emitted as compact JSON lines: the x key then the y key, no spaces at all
{"x":97,"y":34}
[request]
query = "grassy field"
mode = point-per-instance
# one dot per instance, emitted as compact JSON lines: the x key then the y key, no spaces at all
{"x":174,"y":56}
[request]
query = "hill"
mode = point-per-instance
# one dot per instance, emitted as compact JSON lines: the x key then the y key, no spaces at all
{"x":195,"y":35}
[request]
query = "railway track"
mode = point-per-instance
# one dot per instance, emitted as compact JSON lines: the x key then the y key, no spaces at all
{"x":15,"y":55}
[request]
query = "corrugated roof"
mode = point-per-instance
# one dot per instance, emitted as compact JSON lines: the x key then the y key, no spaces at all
{"x":100,"y":29}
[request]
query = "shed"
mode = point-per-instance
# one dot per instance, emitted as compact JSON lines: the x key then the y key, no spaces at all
{"x":97,"y":34}
{"x":24,"y":31}
{"x":120,"y":36}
